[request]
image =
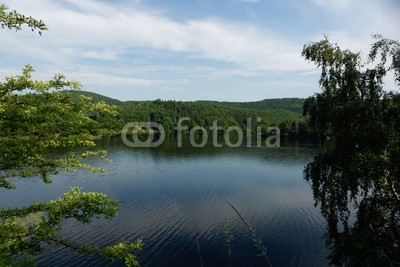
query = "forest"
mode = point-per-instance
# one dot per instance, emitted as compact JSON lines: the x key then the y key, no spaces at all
{"x":293,"y":104}
{"x":283,"y":113}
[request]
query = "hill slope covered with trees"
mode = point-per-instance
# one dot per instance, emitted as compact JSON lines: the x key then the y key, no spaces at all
{"x":292,"y":104}
{"x":204,"y":113}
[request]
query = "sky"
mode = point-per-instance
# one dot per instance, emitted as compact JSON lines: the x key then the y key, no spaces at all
{"x":225,"y":50}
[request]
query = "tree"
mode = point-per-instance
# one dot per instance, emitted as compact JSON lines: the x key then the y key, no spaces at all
{"x":358,"y":165}
{"x":15,"y":20}
{"x":36,"y":119}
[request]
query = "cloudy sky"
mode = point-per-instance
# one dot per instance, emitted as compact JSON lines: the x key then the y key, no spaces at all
{"x":236,"y":50}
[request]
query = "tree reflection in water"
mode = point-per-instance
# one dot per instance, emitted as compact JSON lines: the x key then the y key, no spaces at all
{"x":356,"y":175}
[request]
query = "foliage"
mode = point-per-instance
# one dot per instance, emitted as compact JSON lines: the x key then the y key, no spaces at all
{"x":256,"y":240}
{"x":167,"y":113}
{"x":24,"y":231}
{"x":292,"y":104}
{"x":198,"y":250}
{"x":37,"y":117}
{"x":95,"y":97}
{"x":359,"y":165}
{"x":15,"y":20}
{"x":228,"y":239}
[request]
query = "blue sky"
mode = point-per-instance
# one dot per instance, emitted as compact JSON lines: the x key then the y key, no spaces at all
{"x":236,"y":50}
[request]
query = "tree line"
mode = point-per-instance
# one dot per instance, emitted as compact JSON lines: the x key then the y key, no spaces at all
{"x":167,"y":113}
{"x":292,"y":104}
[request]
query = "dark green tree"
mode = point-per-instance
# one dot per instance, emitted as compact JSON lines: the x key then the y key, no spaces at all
{"x":356,"y":174}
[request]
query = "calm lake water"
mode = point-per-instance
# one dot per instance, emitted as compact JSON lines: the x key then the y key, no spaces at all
{"x":172,"y":197}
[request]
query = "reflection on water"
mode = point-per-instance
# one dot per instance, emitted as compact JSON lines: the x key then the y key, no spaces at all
{"x":359,"y":200}
{"x":172,"y":196}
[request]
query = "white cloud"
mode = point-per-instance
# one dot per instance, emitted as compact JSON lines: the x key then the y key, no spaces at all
{"x":249,"y":1}
{"x":85,"y":76}
{"x":95,"y":42}
{"x":337,"y":4}
{"x":95,"y":78}
{"x":98,"y":30}
{"x":355,"y":21}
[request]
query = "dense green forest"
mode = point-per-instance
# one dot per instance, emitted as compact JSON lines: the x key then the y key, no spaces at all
{"x":167,"y":113}
{"x":292,"y":104}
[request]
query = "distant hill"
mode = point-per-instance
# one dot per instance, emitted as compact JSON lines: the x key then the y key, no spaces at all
{"x":284,"y":112}
{"x":97,"y":97}
{"x":292,"y":104}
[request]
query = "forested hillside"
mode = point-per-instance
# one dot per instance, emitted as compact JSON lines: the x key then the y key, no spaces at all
{"x":292,"y":104}
{"x":167,"y":113}
{"x":97,"y":97}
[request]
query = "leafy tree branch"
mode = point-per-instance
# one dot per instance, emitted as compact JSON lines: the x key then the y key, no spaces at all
{"x":15,"y":20}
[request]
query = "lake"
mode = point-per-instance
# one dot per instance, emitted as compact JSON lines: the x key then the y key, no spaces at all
{"x":173,"y":196}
